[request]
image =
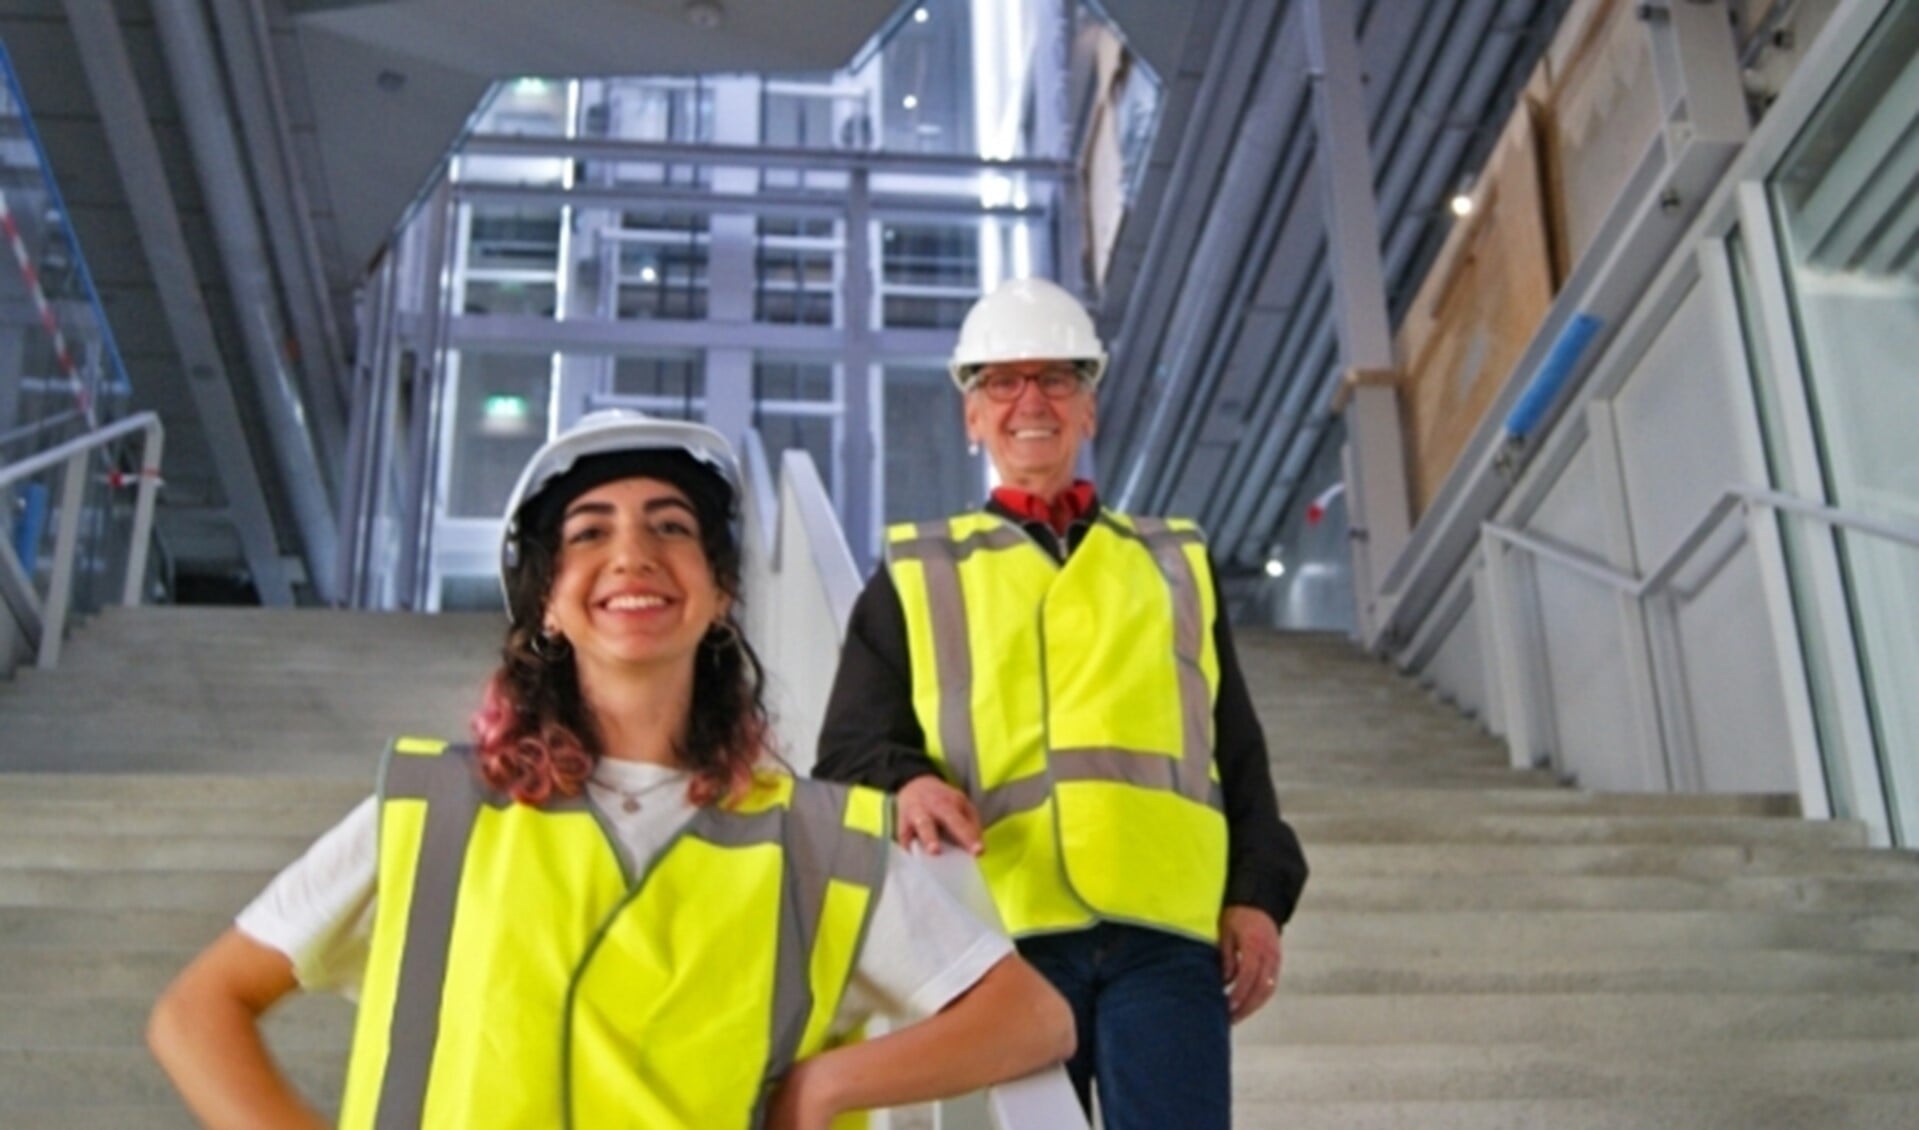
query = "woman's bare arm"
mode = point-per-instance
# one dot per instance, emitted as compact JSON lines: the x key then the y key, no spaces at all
{"x":1010,"y":1023}
{"x":205,"y":1032}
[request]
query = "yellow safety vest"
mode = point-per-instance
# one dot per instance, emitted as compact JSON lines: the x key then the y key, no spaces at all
{"x":1074,"y":704}
{"x":519,"y":976}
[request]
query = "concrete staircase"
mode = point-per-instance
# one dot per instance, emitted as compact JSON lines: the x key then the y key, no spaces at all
{"x":1478,"y":948}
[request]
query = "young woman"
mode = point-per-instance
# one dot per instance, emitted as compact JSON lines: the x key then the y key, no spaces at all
{"x":609,"y":911}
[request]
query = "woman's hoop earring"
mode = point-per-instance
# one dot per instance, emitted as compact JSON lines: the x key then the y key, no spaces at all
{"x":549,"y":648}
{"x":723,"y":635}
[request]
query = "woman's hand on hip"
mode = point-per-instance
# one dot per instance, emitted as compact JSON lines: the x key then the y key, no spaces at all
{"x":929,"y":808}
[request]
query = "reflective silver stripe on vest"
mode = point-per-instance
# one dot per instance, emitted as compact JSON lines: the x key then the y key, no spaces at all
{"x":447,"y":784}
{"x":939,"y":555}
{"x":819,"y":848}
{"x":1193,"y":779}
{"x":935,"y":539}
{"x":1141,"y":770}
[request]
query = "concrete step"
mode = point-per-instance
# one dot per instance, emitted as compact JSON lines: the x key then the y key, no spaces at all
{"x":1747,"y":1110}
{"x":96,"y":928}
{"x":226,"y":891}
{"x":1562,"y":828}
{"x":1606,"y":892}
{"x":290,"y":754}
{"x":1384,"y":800}
{"x":304,"y":1021}
{"x":1547,"y":1018}
{"x":1344,"y":1073}
{"x":177,"y":851}
{"x":48,"y":1077}
{"x":1599,"y":968}
{"x":65,"y":1114}
{"x":29,"y":791}
{"x":1548,"y":931}
{"x":289,"y":818}
{"x":1335,"y":862}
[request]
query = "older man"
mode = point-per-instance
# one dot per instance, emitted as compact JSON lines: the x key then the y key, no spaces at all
{"x":1051,"y":685}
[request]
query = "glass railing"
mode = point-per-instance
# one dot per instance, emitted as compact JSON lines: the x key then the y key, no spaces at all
{"x":60,"y":378}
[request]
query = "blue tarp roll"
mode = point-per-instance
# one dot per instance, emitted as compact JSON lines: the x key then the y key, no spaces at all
{"x":1553,"y":372}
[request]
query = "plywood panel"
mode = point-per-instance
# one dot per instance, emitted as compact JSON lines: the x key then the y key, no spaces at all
{"x":1480,"y":305}
{"x":1600,"y":113}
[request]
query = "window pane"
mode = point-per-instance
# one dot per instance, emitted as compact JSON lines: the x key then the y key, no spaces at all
{"x":500,"y":420}
{"x":1847,"y":215}
{"x":928,"y":472}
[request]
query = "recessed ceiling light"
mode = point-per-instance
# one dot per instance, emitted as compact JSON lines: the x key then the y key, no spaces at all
{"x":1461,"y":204}
{"x":920,"y":16}
{"x":911,"y":102}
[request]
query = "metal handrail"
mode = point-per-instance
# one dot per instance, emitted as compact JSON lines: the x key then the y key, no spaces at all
{"x":1680,"y":555}
{"x":52,"y":611}
{"x":1528,"y":709}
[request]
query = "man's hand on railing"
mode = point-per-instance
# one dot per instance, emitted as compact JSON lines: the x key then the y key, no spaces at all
{"x":929,"y":808}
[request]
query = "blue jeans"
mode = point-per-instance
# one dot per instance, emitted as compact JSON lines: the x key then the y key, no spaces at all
{"x":1154,"y":1036}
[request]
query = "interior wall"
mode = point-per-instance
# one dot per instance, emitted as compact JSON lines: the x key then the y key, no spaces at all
{"x":1686,"y":433}
{"x":1583,"y":643}
{"x":1457,"y":670}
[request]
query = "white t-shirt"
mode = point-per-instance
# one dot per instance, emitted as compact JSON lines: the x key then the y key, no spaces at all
{"x":922,"y":947}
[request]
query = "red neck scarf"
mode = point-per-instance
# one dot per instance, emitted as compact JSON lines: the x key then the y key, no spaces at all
{"x":1072,"y":504}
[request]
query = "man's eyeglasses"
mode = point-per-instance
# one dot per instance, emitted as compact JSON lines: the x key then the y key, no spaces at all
{"x":1054,"y":384}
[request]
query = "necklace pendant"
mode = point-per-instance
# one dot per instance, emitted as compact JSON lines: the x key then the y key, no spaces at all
{"x":629,"y":804}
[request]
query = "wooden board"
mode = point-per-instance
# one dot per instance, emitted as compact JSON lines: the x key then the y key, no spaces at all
{"x":1481,"y":303}
{"x":1600,"y":111}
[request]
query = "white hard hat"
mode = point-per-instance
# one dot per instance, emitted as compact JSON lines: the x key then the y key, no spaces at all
{"x":1027,"y":320}
{"x":611,"y":431}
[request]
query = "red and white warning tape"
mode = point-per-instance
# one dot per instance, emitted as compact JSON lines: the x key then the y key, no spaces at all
{"x":49,"y":319}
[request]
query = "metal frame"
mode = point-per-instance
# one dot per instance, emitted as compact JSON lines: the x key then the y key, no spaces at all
{"x":752,"y":156}
{"x":75,"y":455}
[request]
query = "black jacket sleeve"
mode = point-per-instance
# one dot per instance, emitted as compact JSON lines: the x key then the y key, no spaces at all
{"x":1265,"y":866}
{"x":870,"y":735}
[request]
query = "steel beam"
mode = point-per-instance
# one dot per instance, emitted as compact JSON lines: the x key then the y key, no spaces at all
{"x":123,"y":114}
{"x":188,"y":48}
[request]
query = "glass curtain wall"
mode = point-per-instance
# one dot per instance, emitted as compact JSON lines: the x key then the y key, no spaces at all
{"x":814,"y":298}
{"x":1848,"y":221}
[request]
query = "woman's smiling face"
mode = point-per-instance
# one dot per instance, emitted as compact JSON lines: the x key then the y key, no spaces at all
{"x":632,"y":586}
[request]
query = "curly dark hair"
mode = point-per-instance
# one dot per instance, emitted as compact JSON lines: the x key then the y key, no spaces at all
{"x":536,"y":737}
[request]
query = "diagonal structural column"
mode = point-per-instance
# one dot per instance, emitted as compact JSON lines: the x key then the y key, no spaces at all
{"x":188,"y":48}
{"x":123,"y":115}
{"x":1376,"y":469}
